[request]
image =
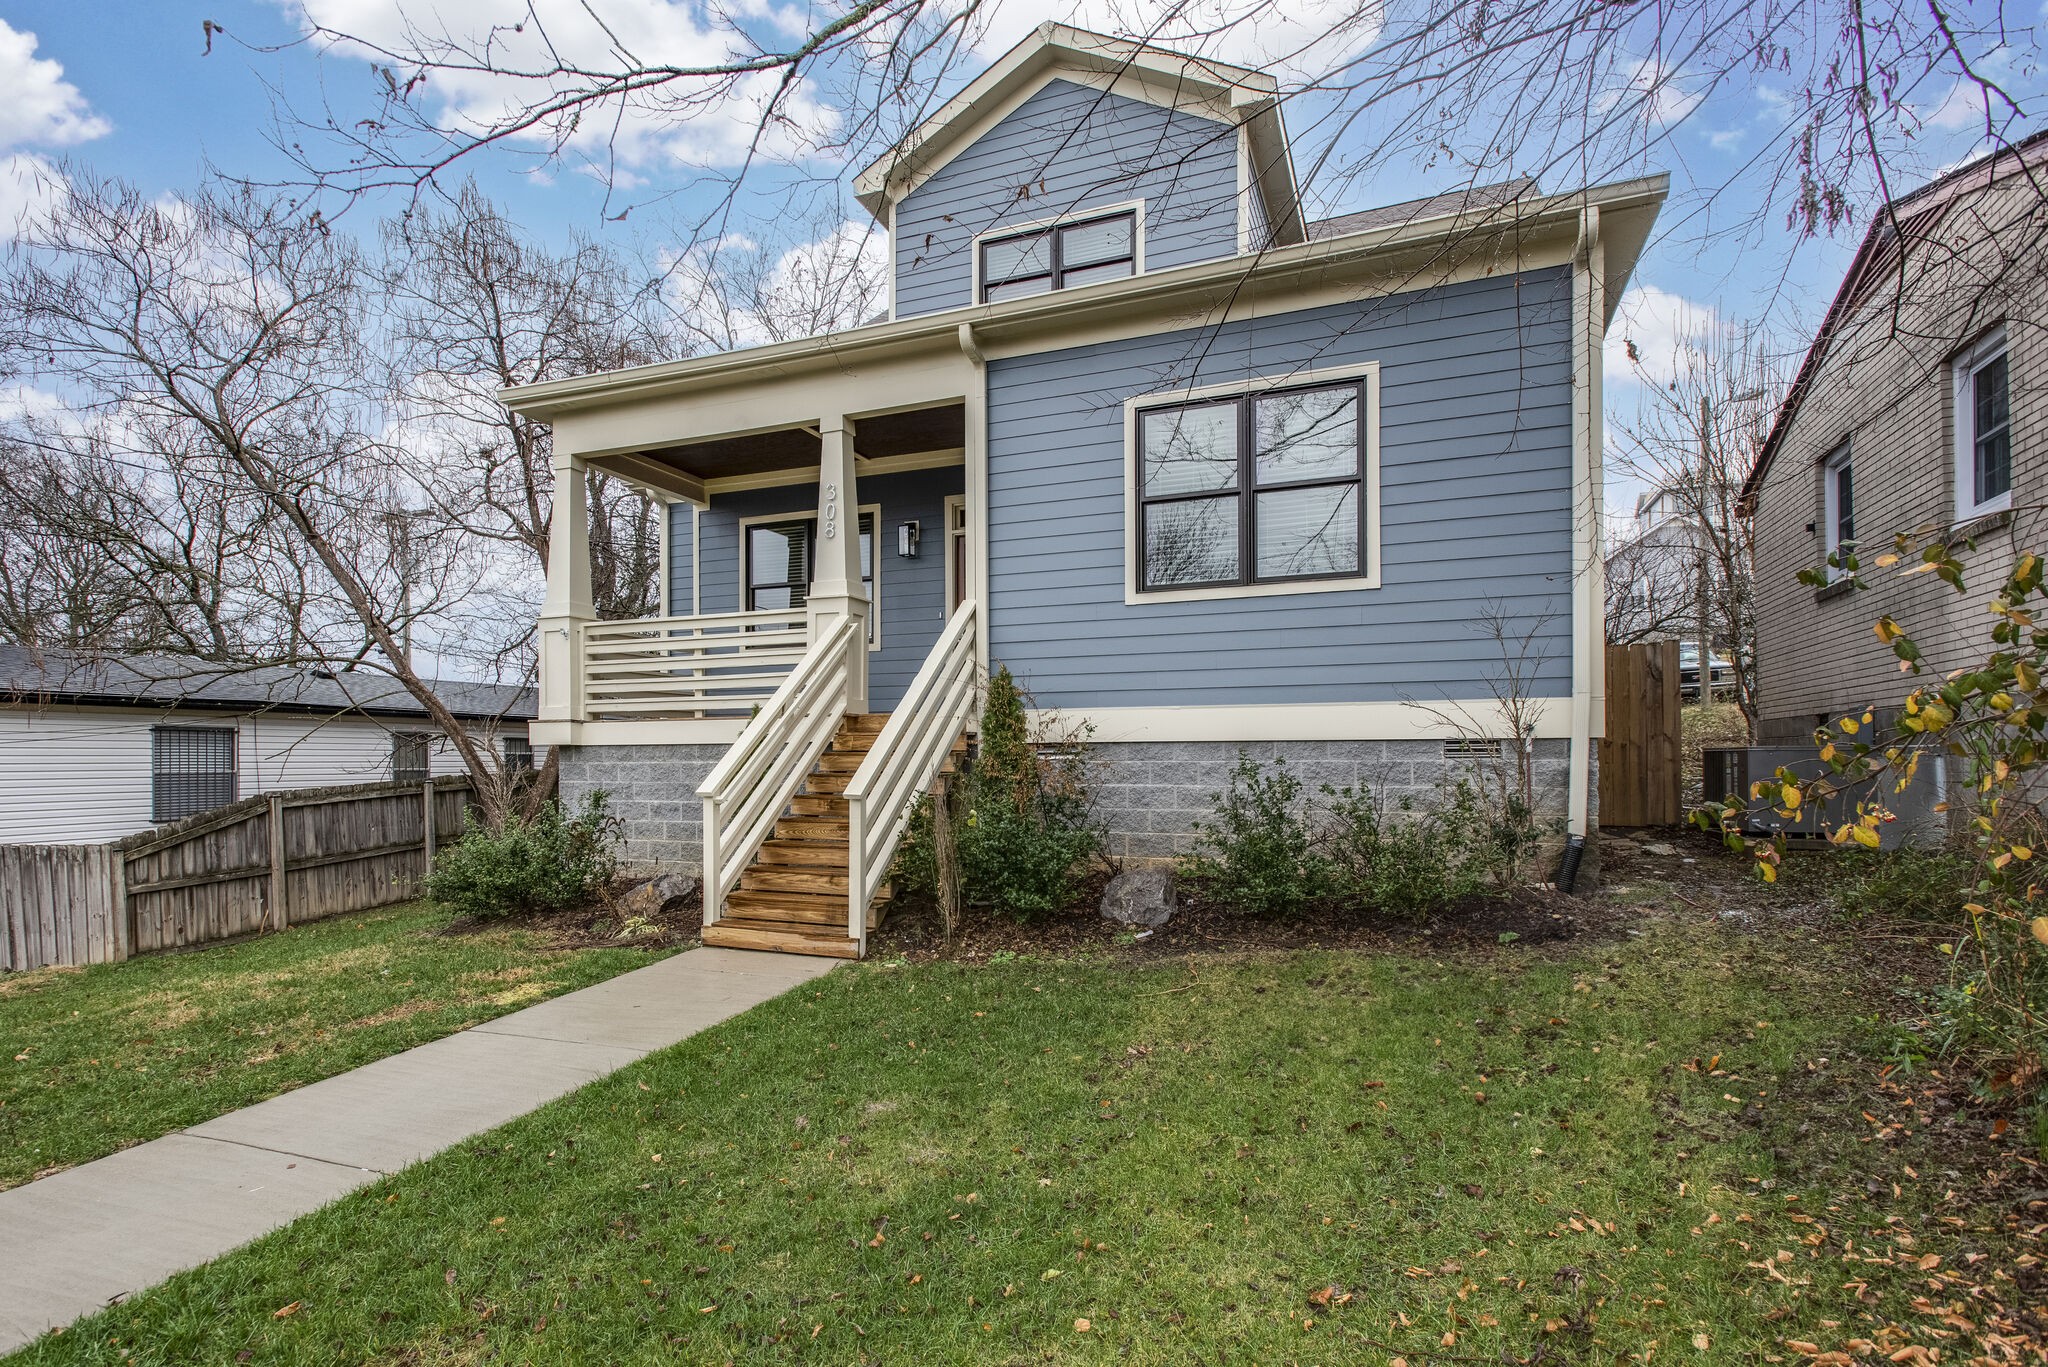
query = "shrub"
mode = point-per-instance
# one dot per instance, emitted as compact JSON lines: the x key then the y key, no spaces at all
{"x":1257,"y":852}
{"x":1408,"y":860}
{"x":1021,"y":815}
{"x":545,"y":863}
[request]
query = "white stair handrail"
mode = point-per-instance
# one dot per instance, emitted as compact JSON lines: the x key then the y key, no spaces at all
{"x":746,"y":791}
{"x":904,"y":760}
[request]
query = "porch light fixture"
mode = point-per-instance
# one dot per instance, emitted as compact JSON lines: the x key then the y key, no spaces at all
{"x":906,"y":540}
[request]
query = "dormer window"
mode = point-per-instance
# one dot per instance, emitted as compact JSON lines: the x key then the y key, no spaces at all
{"x":1059,"y":257}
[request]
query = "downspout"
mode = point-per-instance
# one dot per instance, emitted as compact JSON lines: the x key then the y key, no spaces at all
{"x":975,"y":420}
{"x":1589,"y":658}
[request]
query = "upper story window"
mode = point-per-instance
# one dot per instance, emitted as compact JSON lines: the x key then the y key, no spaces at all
{"x":1838,"y":503}
{"x":1983,"y":429}
{"x":1268,"y":487}
{"x":1060,"y":257}
{"x":191,"y":770}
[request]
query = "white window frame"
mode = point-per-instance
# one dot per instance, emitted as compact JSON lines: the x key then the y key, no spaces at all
{"x":956,"y":540}
{"x":1134,"y":207}
{"x":873,"y":510}
{"x":1368,"y":372}
{"x":1981,"y":353}
{"x":1843,"y":457}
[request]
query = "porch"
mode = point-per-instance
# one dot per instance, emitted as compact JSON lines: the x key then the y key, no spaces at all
{"x":819,"y":633}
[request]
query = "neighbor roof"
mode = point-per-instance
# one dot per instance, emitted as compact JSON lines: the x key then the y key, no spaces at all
{"x":31,"y":677}
{"x":1494,"y":196}
{"x":1166,"y":77}
{"x":1879,"y":252}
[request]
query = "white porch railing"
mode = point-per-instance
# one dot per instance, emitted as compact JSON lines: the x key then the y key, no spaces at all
{"x":687,"y":666}
{"x":745,"y":794}
{"x":905,"y":758}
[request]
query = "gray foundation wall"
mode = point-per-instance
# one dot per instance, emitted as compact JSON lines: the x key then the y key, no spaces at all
{"x":1148,"y":794}
{"x":654,"y":791}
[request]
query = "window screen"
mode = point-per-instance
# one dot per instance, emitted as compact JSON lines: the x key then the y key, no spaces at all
{"x":192,"y":769}
{"x":410,"y":757}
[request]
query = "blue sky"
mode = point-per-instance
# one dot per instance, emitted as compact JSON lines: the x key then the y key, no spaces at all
{"x":123,"y":87}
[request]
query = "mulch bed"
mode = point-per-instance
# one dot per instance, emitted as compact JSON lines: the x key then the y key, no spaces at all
{"x":598,"y":924}
{"x":1528,"y":916}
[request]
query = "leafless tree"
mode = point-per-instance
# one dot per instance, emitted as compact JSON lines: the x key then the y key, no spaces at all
{"x":1650,"y":593}
{"x":1694,"y":440}
{"x":214,"y":346}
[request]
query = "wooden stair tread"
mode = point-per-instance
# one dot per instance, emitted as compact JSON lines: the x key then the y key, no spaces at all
{"x":732,"y":933}
{"x":761,"y":877}
{"x":769,"y":904}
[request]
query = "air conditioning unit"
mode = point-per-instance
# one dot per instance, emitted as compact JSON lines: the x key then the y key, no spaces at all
{"x":1916,"y":820}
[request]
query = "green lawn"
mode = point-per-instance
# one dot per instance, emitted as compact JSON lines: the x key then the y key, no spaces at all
{"x":100,"y":1058}
{"x":1655,"y":1146}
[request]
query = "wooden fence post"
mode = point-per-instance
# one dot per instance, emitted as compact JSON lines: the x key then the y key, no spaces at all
{"x":278,"y":910}
{"x":427,"y":828}
{"x":123,"y":928}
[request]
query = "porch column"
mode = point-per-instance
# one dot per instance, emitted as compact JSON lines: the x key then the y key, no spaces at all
{"x":836,"y":590}
{"x":568,"y":604}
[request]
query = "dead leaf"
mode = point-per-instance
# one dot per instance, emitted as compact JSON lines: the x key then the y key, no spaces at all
{"x":286,"y":1311}
{"x":1322,"y":1297}
{"x":1082,"y":1326}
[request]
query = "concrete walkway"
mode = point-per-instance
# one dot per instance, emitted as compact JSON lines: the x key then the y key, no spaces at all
{"x":83,"y":1238}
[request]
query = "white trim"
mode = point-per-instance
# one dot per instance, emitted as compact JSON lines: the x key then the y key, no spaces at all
{"x":667,"y":572}
{"x":699,"y":731}
{"x":873,"y":510}
{"x":889,"y":231}
{"x":942,"y":459}
{"x":1133,"y":207}
{"x":1369,"y":480}
{"x":954,"y":503}
{"x":1244,"y":191}
{"x":1315,"y":721}
{"x":1832,"y":465}
{"x":1963,"y":369}
{"x":696,"y":560}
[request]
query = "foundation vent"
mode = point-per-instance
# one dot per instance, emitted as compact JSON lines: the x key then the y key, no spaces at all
{"x":1467,"y":748}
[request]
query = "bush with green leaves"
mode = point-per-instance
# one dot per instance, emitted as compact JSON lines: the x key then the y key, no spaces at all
{"x":543,"y":863}
{"x":1268,"y":849}
{"x":1257,"y":850}
{"x":1022,"y":825}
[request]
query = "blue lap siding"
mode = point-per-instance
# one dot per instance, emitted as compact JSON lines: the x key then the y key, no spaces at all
{"x":1475,"y":482}
{"x":1067,"y":148}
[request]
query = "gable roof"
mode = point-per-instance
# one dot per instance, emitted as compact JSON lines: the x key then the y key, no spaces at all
{"x":1217,"y":90}
{"x":30,"y":677}
{"x":1883,"y":244}
{"x":1494,"y":196}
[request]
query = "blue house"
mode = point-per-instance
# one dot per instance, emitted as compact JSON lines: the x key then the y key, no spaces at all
{"x":1202,"y":474}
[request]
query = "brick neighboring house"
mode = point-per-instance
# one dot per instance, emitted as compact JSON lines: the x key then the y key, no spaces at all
{"x":1921,"y":406}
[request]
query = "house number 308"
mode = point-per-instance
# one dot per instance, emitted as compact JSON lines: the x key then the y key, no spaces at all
{"x":831,"y":511}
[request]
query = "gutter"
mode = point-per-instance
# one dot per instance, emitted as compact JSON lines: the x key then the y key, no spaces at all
{"x":1116,"y":299}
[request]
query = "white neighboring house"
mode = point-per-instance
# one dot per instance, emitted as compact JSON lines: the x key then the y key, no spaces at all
{"x":94,"y":748}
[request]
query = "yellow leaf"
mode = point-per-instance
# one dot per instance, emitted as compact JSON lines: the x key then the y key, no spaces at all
{"x":2022,"y":852}
{"x":1848,"y":726}
{"x":1865,"y":837}
{"x":2039,"y":926}
{"x":1884,"y":562}
{"x":1791,"y":797}
{"x":1769,"y":872}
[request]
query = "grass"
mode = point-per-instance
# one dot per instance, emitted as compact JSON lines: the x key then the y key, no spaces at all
{"x":1653,"y":1146}
{"x":100,"y":1058}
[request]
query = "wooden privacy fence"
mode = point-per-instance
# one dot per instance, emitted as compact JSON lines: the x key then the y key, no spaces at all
{"x":1641,"y":756}
{"x":265,"y":862}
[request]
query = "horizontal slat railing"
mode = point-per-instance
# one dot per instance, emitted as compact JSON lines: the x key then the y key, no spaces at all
{"x":746,"y":792}
{"x":904,"y":760}
{"x":688,"y":666}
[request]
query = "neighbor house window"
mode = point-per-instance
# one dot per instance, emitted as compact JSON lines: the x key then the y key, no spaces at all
{"x":781,"y":562}
{"x":1060,"y":257}
{"x":518,"y":753}
{"x":1259,"y":488}
{"x":1983,"y":429}
{"x":410,"y":762}
{"x":191,"y":769}
{"x":1838,"y":504}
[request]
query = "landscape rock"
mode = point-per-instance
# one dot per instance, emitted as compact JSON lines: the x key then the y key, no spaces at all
{"x":1660,"y":850}
{"x":1142,"y":896}
{"x":656,"y":896}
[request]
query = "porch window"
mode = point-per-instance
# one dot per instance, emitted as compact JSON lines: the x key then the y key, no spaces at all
{"x":191,"y":770}
{"x":781,"y":562}
{"x":1983,"y":429}
{"x":1260,"y":488}
{"x":1061,"y":257}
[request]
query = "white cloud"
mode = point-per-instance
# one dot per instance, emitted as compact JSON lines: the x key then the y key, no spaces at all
{"x":1297,"y":40}
{"x":41,"y":107}
{"x":1659,"y":326}
{"x":30,"y":188}
{"x":734,"y":293}
{"x":1652,"y":91}
{"x":546,"y":34}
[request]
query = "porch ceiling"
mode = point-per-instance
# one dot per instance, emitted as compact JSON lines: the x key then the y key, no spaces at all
{"x":940,"y":428}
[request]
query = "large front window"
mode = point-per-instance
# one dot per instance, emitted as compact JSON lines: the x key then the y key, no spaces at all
{"x":1059,"y":258}
{"x":1259,"y":488}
